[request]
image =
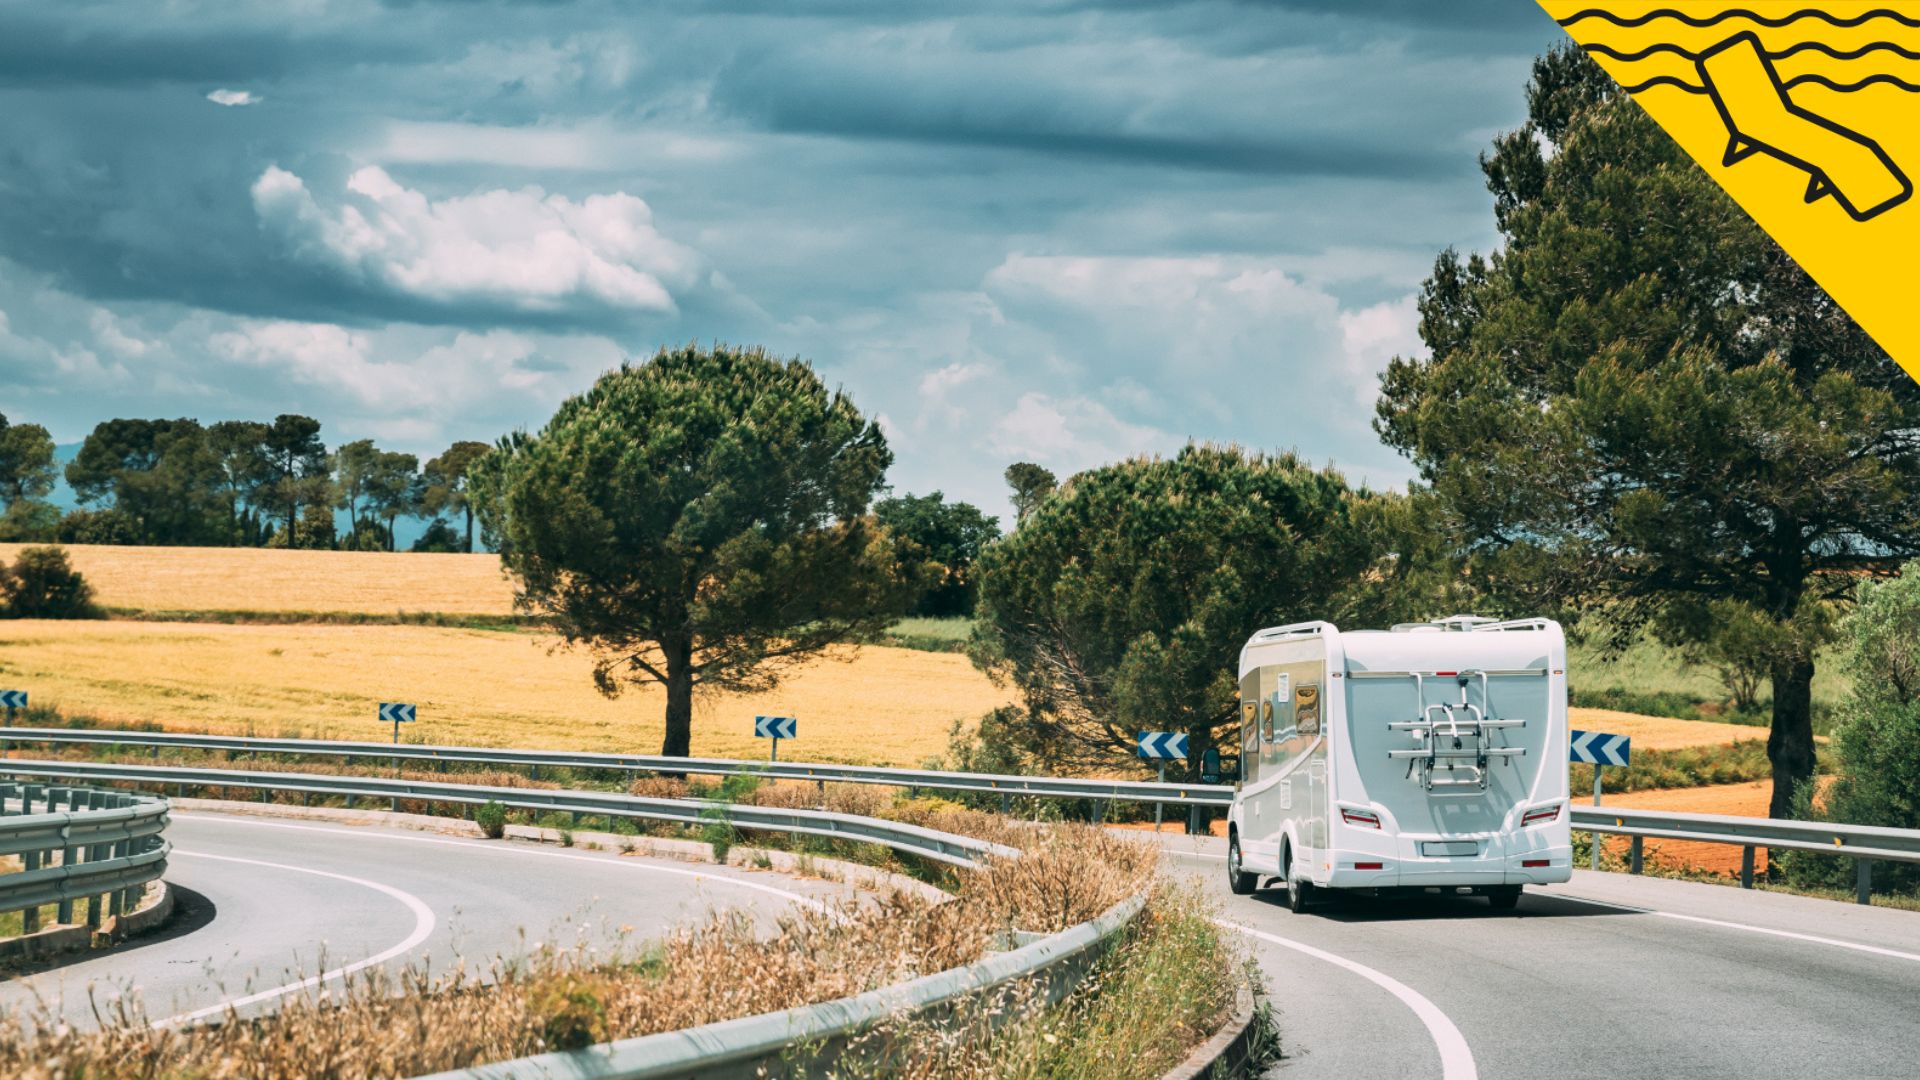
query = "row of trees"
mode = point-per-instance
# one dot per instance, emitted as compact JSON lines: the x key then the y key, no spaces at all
{"x":233,"y":483}
{"x":1638,"y":415}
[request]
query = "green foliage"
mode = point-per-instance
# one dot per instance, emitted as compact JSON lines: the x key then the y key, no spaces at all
{"x":294,"y":470}
{"x":492,"y":819}
{"x":572,"y":1009}
{"x":439,"y":536}
{"x":42,"y":584}
{"x":446,"y":484}
{"x":1878,"y":740}
{"x":1031,"y":485}
{"x":699,"y":520}
{"x":26,"y":463}
{"x":162,"y":475}
{"x":1120,"y":603}
{"x":29,"y":521}
{"x":952,"y":535}
{"x":1641,"y":405}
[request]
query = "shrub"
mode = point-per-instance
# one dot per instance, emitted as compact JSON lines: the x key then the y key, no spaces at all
{"x":1879,"y":774}
{"x":572,"y":1010}
{"x":42,"y":584}
{"x":492,"y":819}
{"x":110,"y":526}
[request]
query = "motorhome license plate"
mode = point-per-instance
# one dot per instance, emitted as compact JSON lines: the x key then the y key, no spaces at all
{"x":1450,"y":847}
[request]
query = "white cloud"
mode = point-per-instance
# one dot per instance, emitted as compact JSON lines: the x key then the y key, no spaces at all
{"x":1069,"y":434}
{"x":525,"y":250}
{"x":1374,"y":335}
{"x":227,"y":97}
{"x":106,"y":331}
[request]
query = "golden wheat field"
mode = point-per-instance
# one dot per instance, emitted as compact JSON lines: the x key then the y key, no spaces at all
{"x":883,"y":706}
{"x":269,"y":579}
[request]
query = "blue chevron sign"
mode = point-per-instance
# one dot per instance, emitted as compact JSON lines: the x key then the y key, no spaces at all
{"x":1600,"y":748}
{"x":393,"y":712}
{"x":776,"y":727}
{"x":13,"y":699}
{"x":1162,"y":745}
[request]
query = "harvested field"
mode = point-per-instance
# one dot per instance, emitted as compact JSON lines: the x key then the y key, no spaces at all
{"x":884,"y":706}
{"x":1662,"y":733}
{"x":268,"y":579}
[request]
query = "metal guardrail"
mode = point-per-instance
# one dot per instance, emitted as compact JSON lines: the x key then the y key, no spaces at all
{"x":1056,"y":787}
{"x":741,"y":1047}
{"x":754,"y":1046}
{"x":104,"y":848}
{"x":928,"y":843}
{"x":1864,"y":844}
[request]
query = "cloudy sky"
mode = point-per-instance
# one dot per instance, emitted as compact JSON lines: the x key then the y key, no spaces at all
{"x":1047,"y":230}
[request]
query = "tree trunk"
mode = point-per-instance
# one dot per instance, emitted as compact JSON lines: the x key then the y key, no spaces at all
{"x":1790,"y":744}
{"x":469,"y":529}
{"x":679,"y":661}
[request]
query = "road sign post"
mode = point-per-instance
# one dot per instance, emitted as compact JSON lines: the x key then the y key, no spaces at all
{"x":395,"y":713}
{"x":12,"y":699}
{"x":1162,"y":746}
{"x":775,"y":728}
{"x":1599,"y":749}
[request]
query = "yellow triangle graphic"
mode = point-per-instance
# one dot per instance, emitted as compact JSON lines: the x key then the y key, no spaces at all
{"x":1807,"y":113}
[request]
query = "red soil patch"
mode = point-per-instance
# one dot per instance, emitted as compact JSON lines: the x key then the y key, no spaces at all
{"x":1740,"y":800}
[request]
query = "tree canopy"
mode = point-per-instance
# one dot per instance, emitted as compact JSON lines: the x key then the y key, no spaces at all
{"x":952,"y":534}
{"x":26,"y":462}
{"x":699,"y":519}
{"x":445,"y":482}
{"x":1640,"y":404}
{"x":1121,"y":602}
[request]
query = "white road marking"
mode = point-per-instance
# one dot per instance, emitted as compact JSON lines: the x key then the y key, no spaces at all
{"x":1456,"y":1059}
{"x":496,"y":847}
{"x":1748,"y":928}
{"x":424,"y":921}
{"x":423,"y":924}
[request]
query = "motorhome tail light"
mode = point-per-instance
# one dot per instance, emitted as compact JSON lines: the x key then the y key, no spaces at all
{"x":1366,"y":818}
{"x":1531,"y":863}
{"x":1369,"y":866}
{"x":1539,"y":814}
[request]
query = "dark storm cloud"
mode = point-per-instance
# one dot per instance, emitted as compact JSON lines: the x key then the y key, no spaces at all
{"x":941,"y":204}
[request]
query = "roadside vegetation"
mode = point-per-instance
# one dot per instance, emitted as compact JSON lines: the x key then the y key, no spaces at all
{"x":1166,"y":985}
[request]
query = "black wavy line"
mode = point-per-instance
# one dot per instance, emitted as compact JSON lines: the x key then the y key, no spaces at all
{"x":1798,"y":80}
{"x":1822,"y":80}
{"x":1739,"y":13}
{"x":1665,"y":80}
{"x":1805,"y":46}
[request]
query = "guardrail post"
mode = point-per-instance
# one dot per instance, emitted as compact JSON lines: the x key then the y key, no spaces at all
{"x":1006,"y":805}
{"x":1193,"y":820}
{"x":68,"y":856}
{"x":30,"y":917}
{"x":1099,"y":810}
{"x":1863,"y":881}
{"x":1746,"y":867}
{"x":1633,"y":855}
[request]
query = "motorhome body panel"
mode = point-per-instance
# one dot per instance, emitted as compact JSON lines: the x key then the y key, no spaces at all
{"x":1446,"y":738}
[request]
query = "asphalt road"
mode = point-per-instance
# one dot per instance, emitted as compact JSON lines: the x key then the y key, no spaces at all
{"x":1608,"y":976}
{"x":270,"y":904}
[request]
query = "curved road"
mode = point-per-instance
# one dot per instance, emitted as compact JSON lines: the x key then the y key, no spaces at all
{"x":270,"y":904}
{"x":1608,"y":976}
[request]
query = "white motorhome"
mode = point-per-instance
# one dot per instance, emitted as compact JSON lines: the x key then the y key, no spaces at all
{"x":1429,"y":757}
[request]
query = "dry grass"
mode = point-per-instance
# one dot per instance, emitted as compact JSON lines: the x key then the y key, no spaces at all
{"x":266,"y":579}
{"x":1660,"y":732}
{"x":884,"y":706}
{"x":385,"y":1025}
